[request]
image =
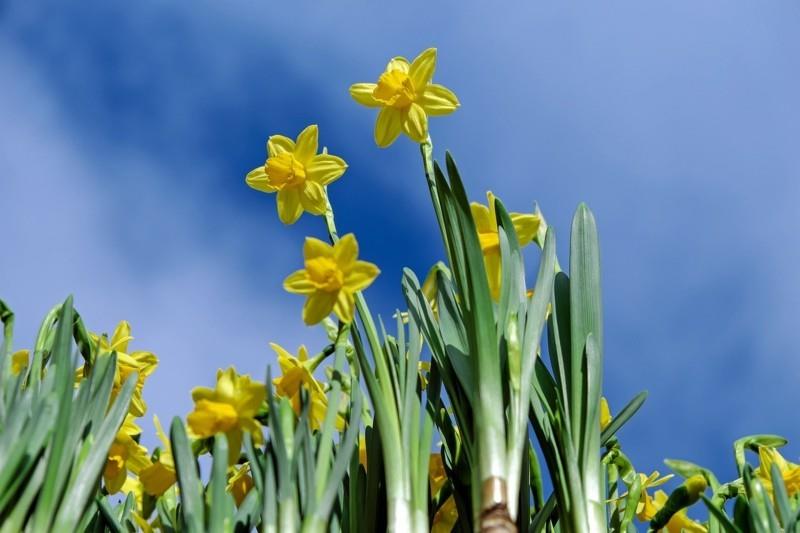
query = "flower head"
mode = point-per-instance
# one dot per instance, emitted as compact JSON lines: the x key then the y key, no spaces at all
{"x":790,"y":472}
{"x":646,"y":509}
{"x":125,"y":454}
{"x":407,"y":98}
{"x":330,"y":279}
{"x":159,"y":475}
{"x":297,"y":173}
{"x":298,"y":374}
{"x":229,"y":408}
{"x":143,"y":363}
{"x":525,"y":225}
{"x":19,"y":361}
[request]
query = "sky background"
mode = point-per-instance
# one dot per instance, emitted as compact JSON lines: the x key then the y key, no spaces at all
{"x":126,"y":130}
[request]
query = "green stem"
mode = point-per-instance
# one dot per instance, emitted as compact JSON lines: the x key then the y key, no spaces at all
{"x":426,"y":148}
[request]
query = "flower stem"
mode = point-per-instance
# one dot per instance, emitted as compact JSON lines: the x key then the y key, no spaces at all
{"x":426,"y":148}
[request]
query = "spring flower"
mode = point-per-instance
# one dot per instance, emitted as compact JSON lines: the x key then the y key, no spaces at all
{"x":124,"y":455}
{"x":297,"y":374}
{"x":297,"y":173}
{"x":158,"y":476}
{"x":143,"y":363}
{"x":605,"y":414}
{"x":407,"y":98}
{"x":789,"y":472}
{"x":229,"y":408}
{"x":646,"y":509}
{"x":525,"y":225}
{"x":680,"y":521}
{"x":19,"y":361}
{"x":331,"y":277}
{"x":447,"y":514}
{"x":240,"y":482}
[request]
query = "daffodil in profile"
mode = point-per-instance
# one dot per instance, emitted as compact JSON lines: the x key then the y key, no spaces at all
{"x":228,"y":408}
{"x":125,"y":455}
{"x":298,"y":374}
{"x":790,"y":472}
{"x":646,"y":508}
{"x":526,"y":226}
{"x":407,"y":97}
{"x":159,"y":475}
{"x":330,"y":279}
{"x":297,"y":174}
{"x":143,"y":363}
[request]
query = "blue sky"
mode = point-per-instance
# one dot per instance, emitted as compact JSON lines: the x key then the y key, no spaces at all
{"x":127,"y":130}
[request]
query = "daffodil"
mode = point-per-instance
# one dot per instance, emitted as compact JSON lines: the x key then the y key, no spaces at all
{"x":605,"y":414}
{"x":790,"y":472}
{"x":447,"y":514}
{"x":159,"y":475}
{"x":240,"y":482}
{"x":646,"y":508}
{"x":143,"y":363}
{"x":526,"y":226}
{"x":229,"y":408}
{"x":330,"y":279}
{"x":680,"y":521}
{"x":407,"y":98}
{"x":298,"y":373}
{"x":125,"y":455}
{"x":297,"y":173}
{"x":19,"y":361}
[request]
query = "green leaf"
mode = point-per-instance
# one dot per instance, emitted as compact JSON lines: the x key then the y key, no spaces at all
{"x":720,"y":515}
{"x":191,"y":490}
{"x":752,"y":443}
{"x":622,"y":417}
{"x":220,"y":509}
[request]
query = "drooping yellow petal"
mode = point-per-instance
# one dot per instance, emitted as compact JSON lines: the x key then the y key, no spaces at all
{"x":416,"y":123}
{"x":438,"y":100}
{"x":278,"y":144}
{"x":298,"y":283}
{"x":388,"y":126}
{"x":306,"y":146}
{"x":345,"y":251}
{"x":313,"y":248}
{"x":325,"y":168}
{"x":361,"y":275}
{"x":362,"y":93}
{"x":313,"y":198}
{"x":422,"y":68}
{"x":258,"y":180}
{"x":526,"y":226}
{"x":289,"y":206}
{"x":318,"y":306}
{"x":345,"y":306}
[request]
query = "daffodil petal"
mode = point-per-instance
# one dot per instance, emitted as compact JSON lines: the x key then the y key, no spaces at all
{"x":362,"y":93}
{"x":416,"y":123}
{"x":388,"y":126}
{"x":492,"y":263}
{"x":346,"y":251}
{"x":325,"y":168}
{"x":298,"y":283}
{"x":421,"y":69}
{"x":278,"y":144}
{"x":318,"y":306}
{"x":526,"y":226}
{"x":361,"y":275}
{"x":482,"y":218}
{"x":313,"y":198}
{"x":398,"y":63}
{"x":344,"y":307}
{"x":313,"y":247}
{"x":289,"y":207}
{"x":438,"y":100}
{"x":306,"y":146}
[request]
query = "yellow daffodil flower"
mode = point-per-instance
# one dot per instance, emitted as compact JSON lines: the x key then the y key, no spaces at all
{"x":297,"y":173}
{"x":447,"y":515}
{"x":646,"y":509}
{"x":526,"y":227}
{"x":330,"y":279}
{"x":605,"y":414}
{"x":680,"y":521}
{"x":124,"y":455}
{"x":407,"y":98}
{"x":240,"y":482}
{"x":790,"y":472}
{"x":229,"y":408}
{"x":19,"y":361}
{"x":159,"y":475}
{"x":143,"y":363}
